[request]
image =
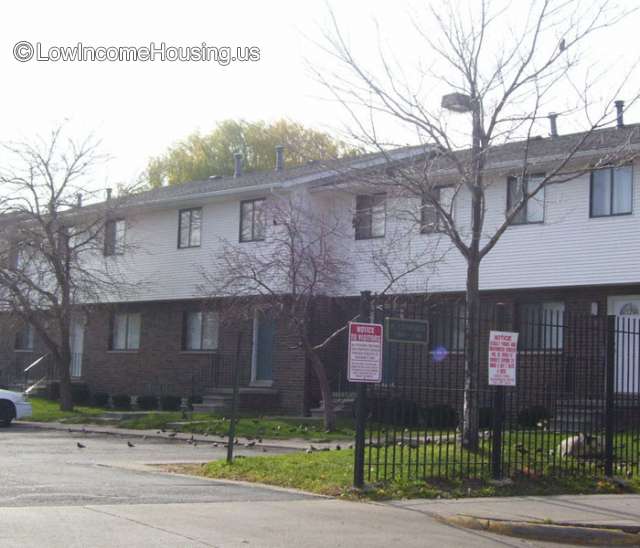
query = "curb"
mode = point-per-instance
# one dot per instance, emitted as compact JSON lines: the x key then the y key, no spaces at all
{"x":580,"y":534}
{"x":179,"y":437}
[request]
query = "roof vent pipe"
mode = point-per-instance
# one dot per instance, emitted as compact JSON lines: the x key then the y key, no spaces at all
{"x":237,"y":172}
{"x":553,"y":120}
{"x":619,"y":113}
{"x":79,"y":200}
{"x":108,"y":194}
{"x":279,"y":158}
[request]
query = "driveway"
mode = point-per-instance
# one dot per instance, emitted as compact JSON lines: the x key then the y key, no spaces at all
{"x":55,"y":494}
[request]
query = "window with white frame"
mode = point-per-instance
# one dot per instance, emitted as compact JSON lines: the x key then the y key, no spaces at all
{"x":189,"y":227}
{"x":24,"y":338}
{"x":114,"y":234}
{"x":533,"y":209}
{"x":125,"y":331}
{"x":611,"y":191}
{"x":542,"y":325}
{"x":200,"y":331}
{"x":371,"y":214}
{"x":430,"y":217}
{"x":252,"y":223}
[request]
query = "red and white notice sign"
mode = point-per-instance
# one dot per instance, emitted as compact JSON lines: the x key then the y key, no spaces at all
{"x":365,"y":352}
{"x":503,"y":348}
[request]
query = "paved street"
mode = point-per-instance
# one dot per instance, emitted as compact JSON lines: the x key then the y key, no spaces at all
{"x":57,"y":495}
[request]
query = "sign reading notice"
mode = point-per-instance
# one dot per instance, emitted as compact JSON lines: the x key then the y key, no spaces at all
{"x":503,"y":348}
{"x":365,"y":352}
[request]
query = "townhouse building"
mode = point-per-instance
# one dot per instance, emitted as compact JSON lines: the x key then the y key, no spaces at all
{"x":574,"y":248}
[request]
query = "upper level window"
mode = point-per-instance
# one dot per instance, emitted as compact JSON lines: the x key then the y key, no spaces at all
{"x":24,"y":338}
{"x":252,"y":225}
{"x":189,"y":227}
{"x":542,"y":326}
{"x":533,"y":209}
{"x":430,"y":218}
{"x":611,"y":191}
{"x":371,"y":216}
{"x":200,"y":331}
{"x":114,"y":237}
{"x":125,"y":331}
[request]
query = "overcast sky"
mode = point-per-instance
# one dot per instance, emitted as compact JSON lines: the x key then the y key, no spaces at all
{"x":139,"y":109}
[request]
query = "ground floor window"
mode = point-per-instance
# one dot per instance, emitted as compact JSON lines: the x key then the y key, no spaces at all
{"x":200,"y":331}
{"x":125,"y":331}
{"x":24,"y":338}
{"x":541,"y":326}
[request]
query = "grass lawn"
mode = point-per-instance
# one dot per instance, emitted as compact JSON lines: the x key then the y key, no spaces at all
{"x":331,"y":473}
{"x":247,"y":427}
{"x":49,"y":411}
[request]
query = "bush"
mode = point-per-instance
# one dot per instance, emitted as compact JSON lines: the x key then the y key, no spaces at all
{"x":121,"y":401}
{"x":440,"y":416}
{"x":148,"y":403}
{"x":485,"y":418}
{"x":100,"y":399}
{"x":396,"y":411}
{"x":531,"y":416}
{"x":170,"y":403}
{"x":80,"y":394}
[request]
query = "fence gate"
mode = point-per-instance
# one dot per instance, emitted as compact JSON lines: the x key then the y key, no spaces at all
{"x":574,"y":411}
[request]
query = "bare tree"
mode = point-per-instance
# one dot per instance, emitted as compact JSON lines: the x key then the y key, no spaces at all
{"x":303,"y":259}
{"x":52,"y":249}
{"x":504,"y":77}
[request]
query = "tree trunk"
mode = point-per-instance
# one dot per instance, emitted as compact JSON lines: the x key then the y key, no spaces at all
{"x":325,"y":390}
{"x":470,"y":418}
{"x":63,"y":367}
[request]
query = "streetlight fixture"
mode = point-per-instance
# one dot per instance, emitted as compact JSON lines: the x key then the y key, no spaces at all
{"x":457,"y":102}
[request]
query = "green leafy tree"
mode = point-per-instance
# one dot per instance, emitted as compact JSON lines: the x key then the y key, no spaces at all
{"x":200,"y":156}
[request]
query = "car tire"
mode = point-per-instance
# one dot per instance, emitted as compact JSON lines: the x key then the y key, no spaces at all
{"x":7,"y":413}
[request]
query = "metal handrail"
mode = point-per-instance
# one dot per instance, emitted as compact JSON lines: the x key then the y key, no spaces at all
{"x":35,"y":385}
{"x":26,"y":370}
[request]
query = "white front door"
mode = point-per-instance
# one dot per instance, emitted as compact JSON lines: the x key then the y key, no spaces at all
{"x":627,"y":310}
{"x":76,"y":341}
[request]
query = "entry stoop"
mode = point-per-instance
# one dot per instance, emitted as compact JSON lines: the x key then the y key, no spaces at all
{"x":249,"y":397}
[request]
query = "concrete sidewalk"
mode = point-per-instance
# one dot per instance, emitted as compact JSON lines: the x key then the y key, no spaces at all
{"x":293,"y":444}
{"x":578,"y":519}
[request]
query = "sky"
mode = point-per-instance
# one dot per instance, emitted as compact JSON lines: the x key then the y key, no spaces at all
{"x":139,"y":109}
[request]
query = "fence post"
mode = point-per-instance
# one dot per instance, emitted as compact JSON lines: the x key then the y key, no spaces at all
{"x":610,"y":367}
{"x":361,"y":404}
{"x":498,"y":410}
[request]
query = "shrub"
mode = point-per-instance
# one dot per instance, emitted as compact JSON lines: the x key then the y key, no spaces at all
{"x":485,"y":419}
{"x":531,"y":416}
{"x":80,"y":394}
{"x":169,"y":402}
{"x":395,"y":411}
{"x":121,"y":401}
{"x":440,"y":416}
{"x":148,"y":403}
{"x":100,"y":399}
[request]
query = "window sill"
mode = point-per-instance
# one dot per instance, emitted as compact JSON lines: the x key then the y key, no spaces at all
{"x":528,"y":223}
{"x":611,"y":215}
{"x":363,"y":239}
{"x":261,"y":384}
{"x":189,"y":247}
{"x":251,"y":241}
{"x":24,"y":350}
{"x":123,"y":351}
{"x":200,"y":352}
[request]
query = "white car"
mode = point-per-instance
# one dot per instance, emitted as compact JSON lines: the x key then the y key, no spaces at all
{"x":13,"y":405}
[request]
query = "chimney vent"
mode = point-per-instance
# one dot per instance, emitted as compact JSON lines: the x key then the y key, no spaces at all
{"x":79,"y":200}
{"x":108,"y":194}
{"x":238,"y":164}
{"x":279,"y":158}
{"x":619,"y":113}
{"x":553,"y":120}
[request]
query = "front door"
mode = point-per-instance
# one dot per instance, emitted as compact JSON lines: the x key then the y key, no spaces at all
{"x":627,"y":310}
{"x":263,"y":344}
{"x":76,"y":341}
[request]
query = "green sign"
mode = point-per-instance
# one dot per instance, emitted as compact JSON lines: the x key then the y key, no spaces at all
{"x":407,"y":331}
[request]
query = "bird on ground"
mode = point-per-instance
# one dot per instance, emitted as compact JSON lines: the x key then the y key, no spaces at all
{"x":173,"y":434}
{"x":130,"y":444}
{"x":80,"y":446}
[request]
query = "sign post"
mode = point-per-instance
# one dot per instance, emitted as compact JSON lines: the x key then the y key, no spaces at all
{"x":364,"y":366}
{"x":503,"y":348}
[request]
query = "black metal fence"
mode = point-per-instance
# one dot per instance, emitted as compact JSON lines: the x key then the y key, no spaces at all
{"x":575,"y":409}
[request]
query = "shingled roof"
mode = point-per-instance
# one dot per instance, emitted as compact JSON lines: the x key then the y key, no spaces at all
{"x":326,"y":172}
